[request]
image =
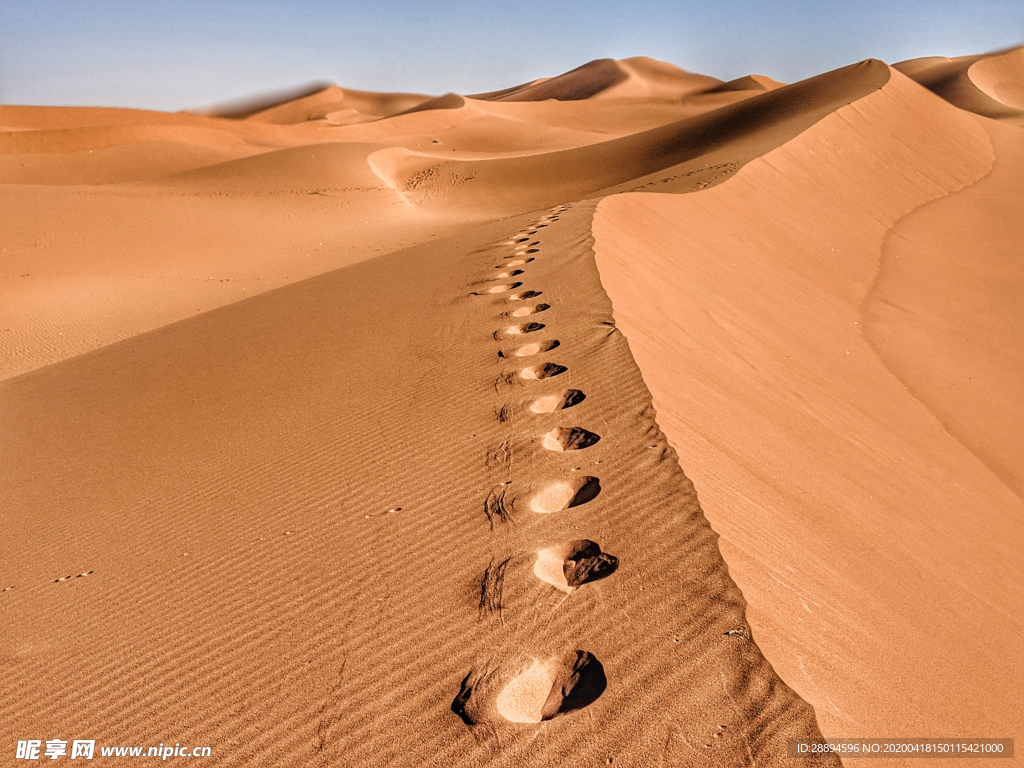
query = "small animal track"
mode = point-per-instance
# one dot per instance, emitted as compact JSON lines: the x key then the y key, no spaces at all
{"x":741,"y":633}
{"x":572,"y":564}
{"x":72,"y":576}
{"x":543,"y":371}
{"x":569,"y":439}
{"x":565,"y":494}
{"x":717,"y":172}
{"x":558,"y":402}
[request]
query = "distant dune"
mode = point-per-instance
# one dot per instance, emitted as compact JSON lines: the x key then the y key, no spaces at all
{"x":989,"y":85}
{"x":623,"y":417}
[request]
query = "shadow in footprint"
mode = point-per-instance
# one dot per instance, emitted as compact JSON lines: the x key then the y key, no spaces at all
{"x":577,"y":686}
{"x":574,"y":563}
{"x":517,"y":330}
{"x":566,"y":494}
{"x":558,"y":402}
{"x":496,"y":289}
{"x":524,"y":311}
{"x":570,"y":439}
{"x":524,"y":295}
{"x":557,"y":687}
{"x":536,"y":348}
{"x":535,"y":691}
{"x":543,"y":371}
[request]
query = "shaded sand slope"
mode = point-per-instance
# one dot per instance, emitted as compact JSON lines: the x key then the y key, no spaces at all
{"x":355,"y":105}
{"x":306,"y":519}
{"x":637,"y":77}
{"x":881,"y":558}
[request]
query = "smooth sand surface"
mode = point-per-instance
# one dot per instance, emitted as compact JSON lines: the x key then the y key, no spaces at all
{"x":358,"y":429}
{"x":810,"y":331}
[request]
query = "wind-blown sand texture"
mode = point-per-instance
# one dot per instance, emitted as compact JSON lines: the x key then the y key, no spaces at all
{"x":351,"y":430}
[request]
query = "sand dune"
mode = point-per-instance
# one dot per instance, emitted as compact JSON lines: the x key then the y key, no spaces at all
{"x":988,"y":85}
{"x":638,"y":77}
{"x":370,"y":429}
{"x":746,"y":308}
{"x":333,"y":99}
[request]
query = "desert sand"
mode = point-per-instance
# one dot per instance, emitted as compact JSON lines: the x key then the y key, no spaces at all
{"x":627,"y":416}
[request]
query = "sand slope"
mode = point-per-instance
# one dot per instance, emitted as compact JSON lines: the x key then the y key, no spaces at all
{"x":743,"y":306}
{"x":283,"y":607}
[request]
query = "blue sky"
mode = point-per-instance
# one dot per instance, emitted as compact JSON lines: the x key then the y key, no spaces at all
{"x":178,"y":54}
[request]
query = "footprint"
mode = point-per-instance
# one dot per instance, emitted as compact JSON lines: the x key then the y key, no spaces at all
{"x":534,"y":250}
{"x":573,"y":564}
{"x":524,"y":311}
{"x":569,"y":439}
{"x":508,"y":274}
{"x":524,"y":295}
{"x":543,"y":371}
{"x":503,"y":288}
{"x":552,"y":688}
{"x":536,"y":348}
{"x":565,"y":494}
{"x":558,"y":402}
{"x":516,"y":263}
{"x":517,"y":330}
